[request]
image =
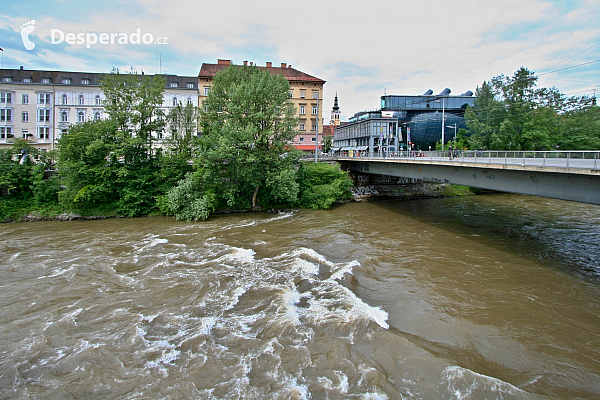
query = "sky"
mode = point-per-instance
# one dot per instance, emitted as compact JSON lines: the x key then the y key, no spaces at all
{"x":361,"y":49}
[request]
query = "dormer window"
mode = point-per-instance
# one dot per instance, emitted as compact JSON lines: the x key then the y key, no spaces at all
{"x":26,"y":80}
{"x":174,"y":84}
{"x":7,"y":79}
{"x":190,"y":85}
{"x":46,"y":80}
{"x":85,"y":81}
{"x":66,"y":81}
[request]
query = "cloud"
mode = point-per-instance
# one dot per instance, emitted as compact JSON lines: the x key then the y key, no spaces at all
{"x":402,"y":47}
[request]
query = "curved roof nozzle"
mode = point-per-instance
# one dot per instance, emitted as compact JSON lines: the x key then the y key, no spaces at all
{"x":445,"y":92}
{"x":428,"y":93}
{"x":467,"y":93}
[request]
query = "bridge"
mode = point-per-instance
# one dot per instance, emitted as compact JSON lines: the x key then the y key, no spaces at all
{"x":565,"y":175}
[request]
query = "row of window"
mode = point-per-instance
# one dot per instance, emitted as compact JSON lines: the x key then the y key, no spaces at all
{"x":315,"y":94}
{"x":303,"y":126}
{"x":43,"y":132}
{"x":7,"y":98}
{"x":83,"y":81}
{"x":315,"y":109}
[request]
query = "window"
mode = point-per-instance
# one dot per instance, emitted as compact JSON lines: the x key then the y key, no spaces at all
{"x":66,"y":81}
{"x":291,"y":93}
{"x":26,"y":80}
{"x":5,"y":97}
{"x":64,"y":116}
{"x":64,"y":99}
{"x":43,"y":132}
{"x":81,"y":100}
{"x":302,"y":126}
{"x":24,"y":133}
{"x":189,"y":101}
{"x":302,"y":94}
{"x":7,"y":79}
{"x":43,"y":98}
{"x":85,"y":81}
{"x":25,"y":99}
{"x":174,"y":84}
{"x":5,"y":114}
{"x":80,"y":116}
{"x":98,"y":100}
{"x":315,"y":94}
{"x":206,"y":90}
{"x":174,"y":102}
{"x":314,"y":125}
{"x":43,"y":115}
{"x":25,"y":116}
{"x":301,"y":139}
{"x":97,"y":116}
{"x":312,"y":139}
{"x":190,"y":85}
{"x":46,"y":80}
{"x":5,"y":132}
{"x":314,"y":109}
{"x":302,"y":109}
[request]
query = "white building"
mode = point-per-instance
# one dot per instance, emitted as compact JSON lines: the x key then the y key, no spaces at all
{"x":39,"y":105}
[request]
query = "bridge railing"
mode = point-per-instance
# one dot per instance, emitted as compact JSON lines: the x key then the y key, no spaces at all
{"x":566,"y":159}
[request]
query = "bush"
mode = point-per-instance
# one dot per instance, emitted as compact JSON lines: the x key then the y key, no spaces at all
{"x":187,"y":202}
{"x":322,"y":185}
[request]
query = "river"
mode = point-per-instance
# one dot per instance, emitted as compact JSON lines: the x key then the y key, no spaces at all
{"x":491,"y":296}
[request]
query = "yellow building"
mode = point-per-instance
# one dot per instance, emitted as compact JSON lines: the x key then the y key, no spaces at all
{"x":306,"y":92}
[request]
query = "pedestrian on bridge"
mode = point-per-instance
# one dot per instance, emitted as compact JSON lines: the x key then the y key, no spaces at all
{"x":450,"y":152}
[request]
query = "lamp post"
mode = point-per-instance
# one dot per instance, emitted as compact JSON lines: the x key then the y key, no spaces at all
{"x":317,"y":132}
{"x":453,"y":126}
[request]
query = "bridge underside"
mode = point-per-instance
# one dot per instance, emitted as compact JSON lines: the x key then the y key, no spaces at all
{"x":581,"y":187}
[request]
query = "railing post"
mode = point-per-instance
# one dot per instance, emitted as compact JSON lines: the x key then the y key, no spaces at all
{"x":568,"y":157}
{"x":544,"y":162}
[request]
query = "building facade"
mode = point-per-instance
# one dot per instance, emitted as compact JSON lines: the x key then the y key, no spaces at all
{"x":39,"y":106}
{"x":306,"y":92}
{"x":425,"y":119}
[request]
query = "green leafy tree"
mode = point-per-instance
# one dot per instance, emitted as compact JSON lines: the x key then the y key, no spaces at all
{"x":111,"y":164}
{"x":247,"y":125}
{"x":327,"y":143}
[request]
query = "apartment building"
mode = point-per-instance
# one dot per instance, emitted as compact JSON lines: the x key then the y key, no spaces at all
{"x":39,"y":105}
{"x":306,"y":92}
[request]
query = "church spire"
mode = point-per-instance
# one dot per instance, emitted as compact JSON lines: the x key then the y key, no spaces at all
{"x":335,"y":103}
{"x":335,"y":112}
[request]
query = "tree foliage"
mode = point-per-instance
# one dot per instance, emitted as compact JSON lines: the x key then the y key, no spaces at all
{"x":247,"y":125}
{"x":511,"y":113}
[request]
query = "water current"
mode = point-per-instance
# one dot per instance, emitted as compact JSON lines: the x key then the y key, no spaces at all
{"x":492,"y":296}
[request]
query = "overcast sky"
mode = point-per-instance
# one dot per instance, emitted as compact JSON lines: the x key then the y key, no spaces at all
{"x":363,"y":49}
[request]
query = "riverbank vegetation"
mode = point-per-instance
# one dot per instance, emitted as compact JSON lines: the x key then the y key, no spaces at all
{"x":512,"y":113}
{"x":140,"y":161}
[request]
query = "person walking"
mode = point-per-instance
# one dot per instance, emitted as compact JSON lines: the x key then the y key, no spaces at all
{"x":450,"y":152}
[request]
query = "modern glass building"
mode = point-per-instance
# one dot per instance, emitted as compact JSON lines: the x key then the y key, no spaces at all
{"x":421,"y":116}
{"x":368,"y":136}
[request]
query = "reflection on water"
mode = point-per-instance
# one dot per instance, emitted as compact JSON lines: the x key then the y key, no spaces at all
{"x":481,"y":297}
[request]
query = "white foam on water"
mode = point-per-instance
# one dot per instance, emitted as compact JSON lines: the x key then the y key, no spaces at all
{"x":344,"y":269}
{"x":291,"y":297}
{"x":306,"y":266}
{"x":244,"y":256}
{"x":373,"y":396}
{"x":465,"y":384}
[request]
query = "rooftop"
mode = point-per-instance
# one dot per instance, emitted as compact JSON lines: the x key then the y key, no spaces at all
{"x":291,"y":74}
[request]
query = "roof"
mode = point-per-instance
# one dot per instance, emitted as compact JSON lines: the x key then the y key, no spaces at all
{"x":75,"y":78}
{"x":289,"y":73}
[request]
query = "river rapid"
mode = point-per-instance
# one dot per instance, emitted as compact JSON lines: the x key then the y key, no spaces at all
{"x":491,"y":296}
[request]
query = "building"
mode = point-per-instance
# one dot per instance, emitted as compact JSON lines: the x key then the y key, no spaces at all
{"x":416,"y":121}
{"x":39,"y":105}
{"x":421,"y":117}
{"x":306,"y":92}
{"x":335,"y":112}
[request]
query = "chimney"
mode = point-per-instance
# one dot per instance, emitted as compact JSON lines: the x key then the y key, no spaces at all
{"x":251,"y":63}
{"x":246,"y":63}
{"x":269,"y":64}
{"x":283,"y":65}
{"x":21,"y":68}
{"x":224,"y":62}
{"x":290,"y":66}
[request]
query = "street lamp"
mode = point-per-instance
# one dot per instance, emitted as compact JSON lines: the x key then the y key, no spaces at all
{"x":453,"y":126}
{"x":317,"y":132}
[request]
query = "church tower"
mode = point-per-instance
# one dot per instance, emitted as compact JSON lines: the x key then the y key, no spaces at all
{"x":335,"y":112}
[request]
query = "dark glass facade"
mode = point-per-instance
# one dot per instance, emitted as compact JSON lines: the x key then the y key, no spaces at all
{"x":423,"y":115}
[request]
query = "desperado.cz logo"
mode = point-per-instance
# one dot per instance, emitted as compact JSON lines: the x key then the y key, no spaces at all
{"x":90,"y":39}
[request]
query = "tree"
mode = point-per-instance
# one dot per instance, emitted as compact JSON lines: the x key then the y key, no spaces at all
{"x":247,"y":125}
{"x":110,"y":164}
{"x":327,"y":143}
